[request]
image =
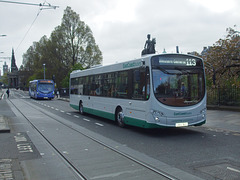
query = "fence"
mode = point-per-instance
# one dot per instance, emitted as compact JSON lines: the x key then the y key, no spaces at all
{"x":223,"y":96}
{"x":64,"y":92}
{"x":215,"y":96}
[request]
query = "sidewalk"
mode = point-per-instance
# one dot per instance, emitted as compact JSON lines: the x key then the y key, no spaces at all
{"x":223,"y":108}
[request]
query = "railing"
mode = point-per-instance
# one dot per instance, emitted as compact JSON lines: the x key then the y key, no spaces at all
{"x":64,"y":92}
{"x":215,"y":96}
{"x":223,"y":96}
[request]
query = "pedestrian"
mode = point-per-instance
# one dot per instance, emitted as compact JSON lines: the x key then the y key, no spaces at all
{"x":8,"y":92}
{"x":57,"y":94}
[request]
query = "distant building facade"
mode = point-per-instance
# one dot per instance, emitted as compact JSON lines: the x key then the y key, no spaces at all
{"x":5,"y":68}
{"x":13,"y":77}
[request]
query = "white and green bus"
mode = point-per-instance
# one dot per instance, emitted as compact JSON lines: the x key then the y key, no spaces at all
{"x":165,"y":90}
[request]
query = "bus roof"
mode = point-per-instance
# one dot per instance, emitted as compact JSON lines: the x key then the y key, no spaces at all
{"x":98,"y":69}
{"x":112,"y":67}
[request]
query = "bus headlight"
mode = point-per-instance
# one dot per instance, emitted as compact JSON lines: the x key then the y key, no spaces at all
{"x":203,"y":112}
{"x":157,"y":115}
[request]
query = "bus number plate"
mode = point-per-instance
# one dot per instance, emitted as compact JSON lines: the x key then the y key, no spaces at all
{"x":182,"y":124}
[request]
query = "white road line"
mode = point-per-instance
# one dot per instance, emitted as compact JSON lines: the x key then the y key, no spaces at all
{"x":56,"y":109}
{"x":68,"y":114}
{"x":86,"y":119}
{"x":62,"y":111}
{"x":76,"y":116}
{"x":232,"y":169}
{"x":99,"y":124}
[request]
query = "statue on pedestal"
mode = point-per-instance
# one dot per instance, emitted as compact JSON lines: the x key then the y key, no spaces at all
{"x":149,"y":47}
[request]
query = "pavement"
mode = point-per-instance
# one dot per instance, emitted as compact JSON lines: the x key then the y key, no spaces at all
{"x":18,"y":151}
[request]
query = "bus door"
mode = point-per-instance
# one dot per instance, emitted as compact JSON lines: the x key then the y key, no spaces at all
{"x":88,"y":100}
{"x":139,"y":90}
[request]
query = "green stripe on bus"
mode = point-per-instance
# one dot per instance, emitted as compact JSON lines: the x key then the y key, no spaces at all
{"x":140,"y":123}
{"x":103,"y":114}
{"x":74,"y":107}
{"x":127,"y":120}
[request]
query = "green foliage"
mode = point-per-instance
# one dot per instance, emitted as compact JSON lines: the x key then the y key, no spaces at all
{"x":224,"y":58}
{"x":4,"y":79}
{"x":70,"y":43}
{"x":65,"y":82}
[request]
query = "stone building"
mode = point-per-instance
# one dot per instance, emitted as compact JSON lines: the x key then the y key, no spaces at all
{"x":13,"y":77}
{"x":5,"y":68}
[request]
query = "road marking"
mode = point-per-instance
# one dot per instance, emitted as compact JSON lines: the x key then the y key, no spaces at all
{"x":232,"y":169}
{"x":56,"y":109}
{"x":76,"y":116}
{"x":86,"y":119}
{"x":22,"y":144}
{"x":69,"y":114}
{"x":6,"y":169}
{"x":99,"y":124}
{"x":62,"y":111}
{"x":24,"y":148}
{"x":236,"y":134}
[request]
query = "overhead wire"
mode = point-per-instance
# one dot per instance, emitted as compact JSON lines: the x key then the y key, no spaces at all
{"x":39,"y":11}
{"x":31,"y":4}
{"x":28,"y":29}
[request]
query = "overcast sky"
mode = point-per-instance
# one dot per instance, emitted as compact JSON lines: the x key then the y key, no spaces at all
{"x":120,"y":27}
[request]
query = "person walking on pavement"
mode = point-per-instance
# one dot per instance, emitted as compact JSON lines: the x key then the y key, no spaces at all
{"x":8,"y":92}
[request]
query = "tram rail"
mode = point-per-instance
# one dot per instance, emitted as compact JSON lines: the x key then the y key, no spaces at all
{"x":68,"y":162}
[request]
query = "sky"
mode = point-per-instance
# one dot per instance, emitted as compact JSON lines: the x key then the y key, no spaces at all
{"x":120,"y":27}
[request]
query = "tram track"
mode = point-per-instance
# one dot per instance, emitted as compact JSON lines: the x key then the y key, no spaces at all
{"x":78,"y":172}
{"x":60,"y":154}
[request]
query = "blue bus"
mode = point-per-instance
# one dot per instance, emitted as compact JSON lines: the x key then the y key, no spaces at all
{"x":41,"y":89}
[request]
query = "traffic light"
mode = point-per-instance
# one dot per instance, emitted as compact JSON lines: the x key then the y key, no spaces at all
{"x":53,"y":78}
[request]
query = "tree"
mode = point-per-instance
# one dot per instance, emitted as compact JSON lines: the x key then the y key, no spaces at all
{"x":65,"y":81}
{"x":4,"y":79}
{"x":77,"y":40}
{"x":224,"y":57}
{"x":70,"y":43}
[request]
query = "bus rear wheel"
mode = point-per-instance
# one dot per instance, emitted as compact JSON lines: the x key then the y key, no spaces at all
{"x":119,"y":116}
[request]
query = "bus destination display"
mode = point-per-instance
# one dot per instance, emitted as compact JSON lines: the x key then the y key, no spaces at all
{"x":177,"y":61}
{"x":180,"y":62}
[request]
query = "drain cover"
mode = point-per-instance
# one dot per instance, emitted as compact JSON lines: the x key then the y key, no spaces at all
{"x":222,"y":171}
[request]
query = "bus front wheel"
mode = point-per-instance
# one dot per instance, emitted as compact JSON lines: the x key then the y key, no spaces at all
{"x":120,"y":117}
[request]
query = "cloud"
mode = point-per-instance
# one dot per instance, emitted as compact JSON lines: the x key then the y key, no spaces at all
{"x":120,"y":27}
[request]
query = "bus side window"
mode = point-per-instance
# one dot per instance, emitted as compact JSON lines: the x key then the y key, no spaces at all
{"x":122,"y":84}
{"x":140,"y":84}
{"x":147,"y":93}
{"x":98,"y":90}
{"x":136,"y":85}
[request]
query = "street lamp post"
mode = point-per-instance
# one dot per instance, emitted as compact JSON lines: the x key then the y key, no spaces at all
{"x":44,"y":70}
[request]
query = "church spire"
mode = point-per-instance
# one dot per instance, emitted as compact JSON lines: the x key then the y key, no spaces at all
{"x":13,"y":62}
